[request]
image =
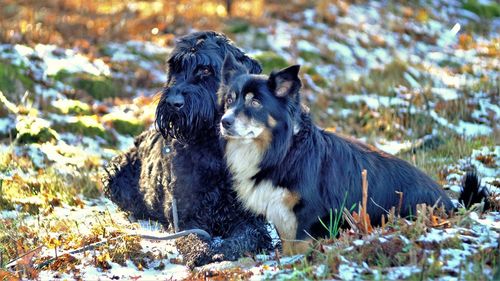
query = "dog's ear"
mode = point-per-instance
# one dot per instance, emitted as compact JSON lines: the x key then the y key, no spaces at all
{"x":231,"y":69}
{"x":285,"y":82}
{"x":252,"y":65}
{"x":227,"y":46}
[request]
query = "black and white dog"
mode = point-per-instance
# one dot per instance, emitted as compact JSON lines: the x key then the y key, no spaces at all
{"x":186,"y":162}
{"x":293,"y":172}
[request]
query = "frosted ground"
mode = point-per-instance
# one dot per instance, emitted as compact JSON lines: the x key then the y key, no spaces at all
{"x":399,"y":79}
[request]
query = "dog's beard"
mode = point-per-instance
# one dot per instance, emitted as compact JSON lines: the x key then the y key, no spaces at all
{"x":194,"y":120}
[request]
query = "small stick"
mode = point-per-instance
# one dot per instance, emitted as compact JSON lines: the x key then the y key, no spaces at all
{"x":365,"y":199}
{"x":400,"y":205}
{"x":175,"y":215}
{"x":350,"y":220}
{"x":12,"y":263}
{"x":93,"y":246}
{"x":277,"y":254}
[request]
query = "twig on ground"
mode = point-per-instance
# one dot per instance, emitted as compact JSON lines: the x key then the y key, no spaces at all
{"x":400,"y":193}
{"x":93,"y":246}
{"x":364,"y":215}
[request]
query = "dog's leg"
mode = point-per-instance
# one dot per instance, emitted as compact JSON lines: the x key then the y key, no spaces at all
{"x":247,"y":237}
{"x":195,"y":250}
{"x":120,"y":180}
{"x":291,"y":244}
{"x":124,"y":184}
{"x":294,"y":247}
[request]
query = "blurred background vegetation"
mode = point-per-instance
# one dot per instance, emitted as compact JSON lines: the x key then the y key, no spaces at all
{"x":86,"y":23}
{"x":81,"y":78}
{"x":89,"y":26}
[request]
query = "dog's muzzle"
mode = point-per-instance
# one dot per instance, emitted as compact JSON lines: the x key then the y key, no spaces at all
{"x":227,"y":121}
{"x":226,"y":125}
{"x":233,"y":128}
{"x":175,"y":100}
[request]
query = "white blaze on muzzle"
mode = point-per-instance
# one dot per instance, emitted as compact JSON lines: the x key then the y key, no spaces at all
{"x":243,"y":127}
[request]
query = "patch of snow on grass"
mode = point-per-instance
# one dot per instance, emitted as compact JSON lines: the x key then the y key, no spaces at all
{"x":124,"y":142}
{"x":486,"y":110}
{"x":393,"y":147}
{"x":349,"y":271}
{"x":437,"y":235}
{"x":445,"y":93}
{"x":466,"y":129}
{"x":12,"y":214}
{"x":342,"y":52}
{"x":453,"y":259}
{"x":482,"y":169}
{"x":489,"y":183}
{"x":401,"y":272}
{"x":49,"y":93}
{"x":472,"y":129}
{"x":307,"y":46}
{"x":66,"y":158}
{"x":375,"y":101}
{"x":6,"y":124}
{"x":491,"y":220}
{"x":57,"y":59}
{"x":130,"y":271}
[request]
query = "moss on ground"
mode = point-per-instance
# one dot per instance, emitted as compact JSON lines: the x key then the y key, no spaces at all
{"x":235,"y":26}
{"x":99,"y":87}
{"x":73,"y":107}
{"x":130,"y":128}
{"x":13,"y":81}
{"x":45,"y":135}
{"x":33,"y":130}
{"x":311,"y":57}
{"x":85,"y":126}
{"x":318,"y":79}
{"x":489,"y":10}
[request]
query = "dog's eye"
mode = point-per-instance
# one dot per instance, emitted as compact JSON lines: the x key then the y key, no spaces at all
{"x":205,"y":71}
{"x":229,"y":100}
{"x":256,"y":103}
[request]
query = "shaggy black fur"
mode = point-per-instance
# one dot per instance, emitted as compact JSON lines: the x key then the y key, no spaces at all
{"x":187,"y":162}
{"x":314,"y":171}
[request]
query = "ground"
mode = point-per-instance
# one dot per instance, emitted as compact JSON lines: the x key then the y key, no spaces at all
{"x":418,"y":81}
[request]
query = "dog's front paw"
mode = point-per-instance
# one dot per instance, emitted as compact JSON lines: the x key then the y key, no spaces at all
{"x":194,"y":250}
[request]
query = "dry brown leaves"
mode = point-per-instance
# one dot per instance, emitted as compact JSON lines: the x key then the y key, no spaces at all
{"x":220,"y":275}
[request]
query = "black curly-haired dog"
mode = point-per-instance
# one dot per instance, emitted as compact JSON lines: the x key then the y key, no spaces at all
{"x":184,"y":160}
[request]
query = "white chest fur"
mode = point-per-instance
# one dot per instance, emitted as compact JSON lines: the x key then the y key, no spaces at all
{"x":264,"y":198}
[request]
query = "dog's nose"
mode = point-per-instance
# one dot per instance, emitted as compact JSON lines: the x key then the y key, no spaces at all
{"x":227,"y":121}
{"x":175,"y":101}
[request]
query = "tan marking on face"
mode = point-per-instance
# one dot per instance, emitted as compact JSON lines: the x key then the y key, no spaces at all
{"x":249,"y":128}
{"x":271,"y":121}
{"x":291,"y":199}
{"x":249,"y":97}
{"x":264,"y":139}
